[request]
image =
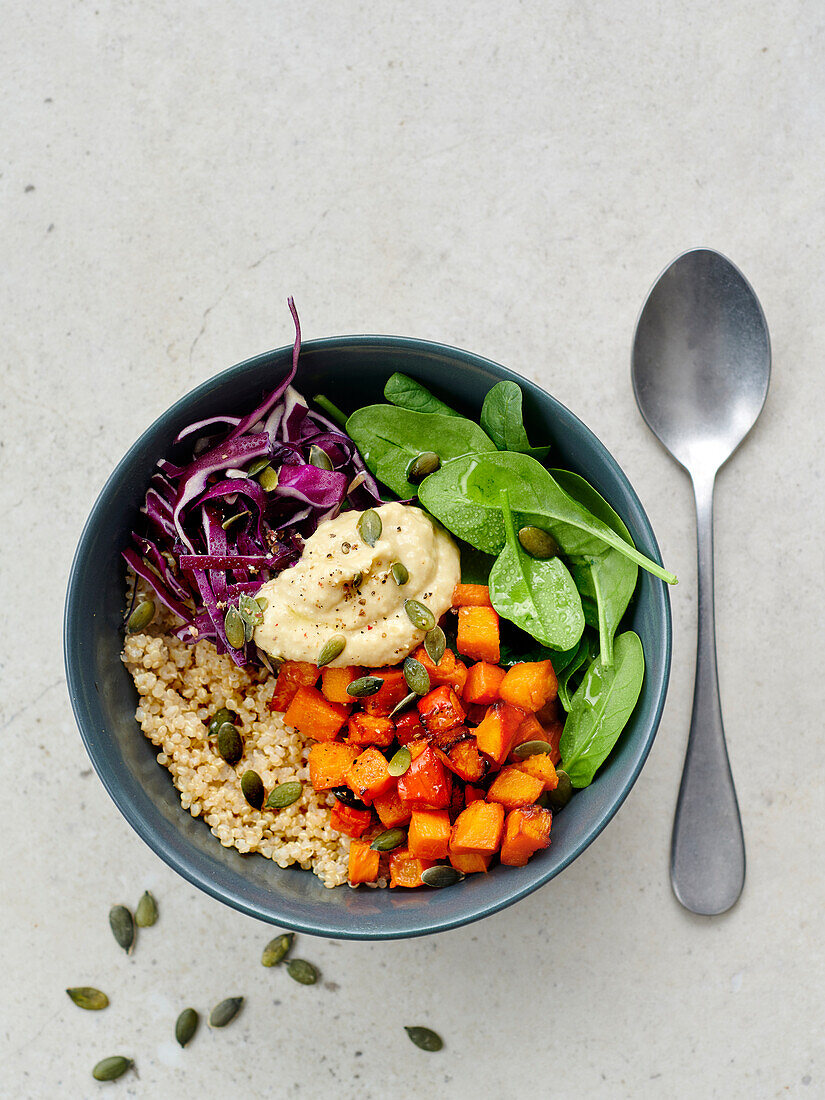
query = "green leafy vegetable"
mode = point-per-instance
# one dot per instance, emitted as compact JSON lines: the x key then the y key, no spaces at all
{"x":582,"y":656}
{"x":475,"y":565}
{"x":405,"y":392}
{"x":501,"y":418}
{"x":600,"y":709}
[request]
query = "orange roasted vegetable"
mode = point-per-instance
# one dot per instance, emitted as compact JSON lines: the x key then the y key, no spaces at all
{"x":387,"y":698}
{"x":367,"y":777}
{"x":334,"y":682}
{"x":405,"y":868}
{"x":408,"y":727}
{"x":541,"y":766}
{"x":497,"y":730}
{"x":292,"y":675}
{"x":369,"y":729}
{"x":469,"y":862}
{"x":391,"y":809}
{"x":471,"y":595}
{"x":483,"y":682}
{"x":314,"y":716}
{"x":466,"y":761}
{"x":530,"y":685}
{"x":475,"y":713}
{"x":429,"y":834}
{"x":445,"y":739}
{"x":363,"y":862}
{"x":513,"y":788}
{"x":478,"y":634}
{"x":425,"y":782}
{"x":328,"y":764}
{"x":449,"y":669}
{"x":530,"y":730}
{"x":478,"y":828}
{"x":349,"y":819}
{"x":554,"y":732}
{"x":474,"y":794}
{"x":525,"y":832}
{"x":440,"y":709}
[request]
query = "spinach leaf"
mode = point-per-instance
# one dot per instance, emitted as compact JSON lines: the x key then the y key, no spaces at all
{"x":405,"y":392}
{"x":582,"y":656}
{"x":536,"y":594}
{"x":518,"y":646}
{"x":475,"y":566}
{"x":501,"y":418}
{"x":389,"y":439}
{"x":600,"y":709}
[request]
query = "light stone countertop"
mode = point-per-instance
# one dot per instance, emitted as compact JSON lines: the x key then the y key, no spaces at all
{"x":508,"y":178}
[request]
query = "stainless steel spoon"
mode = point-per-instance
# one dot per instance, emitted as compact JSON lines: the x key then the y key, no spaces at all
{"x":701,"y":367}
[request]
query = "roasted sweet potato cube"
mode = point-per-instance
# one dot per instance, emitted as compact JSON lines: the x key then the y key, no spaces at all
{"x":471,"y":595}
{"x":425,"y":782}
{"x":525,"y":832}
{"x":513,"y":788}
{"x":429,"y":834}
{"x":465,"y":761}
{"x":405,"y":868}
{"x":349,"y":819}
{"x":391,"y":809}
{"x":449,"y":669}
{"x":478,"y":634}
{"x":478,"y":828}
{"x":440,"y":709}
{"x":541,"y":767}
{"x":474,"y":794}
{"x":475,"y":713}
{"x":530,"y":685}
{"x":554,"y":732}
{"x":408,"y":727}
{"x":370,"y":729}
{"x":469,"y":862}
{"x":328,"y":764}
{"x":529,"y":730}
{"x":483,"y":682}
{"x":335,"y":681}
{"x":445,"y":739}
{"x":314,"y":716}
{"x":387,"y":698}
{"x":368,"y":777}
{"x":495,"y":733}
{"x":292,"y":675}
{"x":363,"y":862}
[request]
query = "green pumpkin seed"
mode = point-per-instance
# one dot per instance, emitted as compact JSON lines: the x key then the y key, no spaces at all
{"x":186,"y":1025}
{"x":123,"y":927}
{"x":277,"y":950}
{"x":225,"y":1012}
{"x":331,"y":649}
{"x":319,"y":458}
{"x":440,"y":876}
{"x":109,"y":1069}
{"x":531,"y":748}
{"x":538,"y":543}
{"x":400,"y":761}
{"x":284,"y":795}
{"x":218,"y":719}
{"x":141,"y":617}
{"x":357,"y":580}
{"x":400,"y":573}
{"x":543,"y":800}
{"x":417,"y":677}
{"x":268,"y":479}
{"x":86,"y":996}
{"x":302,"y":971}
{"x":262,"y":602}
{"x":252,"y":788}
{"x":426,"y":463}
{"x":250,"y":611}
{"x":388,"y":840}
{"x":146,"y":913}
{"x":419,"y":615}
{"x":227,"y":523}
{"x":364,"y":686}
{"x":234,"y":628}
{"x":559,"y":798}
{"x":424,"y":1038}
{"x":230,"y":743}
{"x":405,"y":702}
{"x":435,"y":643}
{"x":370,"y":526}
{"x":255,"y":467}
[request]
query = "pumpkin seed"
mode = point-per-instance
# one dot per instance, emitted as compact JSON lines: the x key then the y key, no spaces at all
{"x":218,"y":719}
{"x":284,"y":795}
{"x":405,"y":702}
{"x":400,"y":573}
{"x":357,"y":580}
{"x":538,"y":543}
{"x":435,"y":643}
{"x":277,"y":950}
{"x":424,"y":1038}
{"x":250,"y":611}
{"x":109,"y":1069}
{"x":141,"y":617}
{"x":417,"y":677}
{"x":252,"y":788}
{"x":370,"y":526}
{"x":319,"y":457}
{"x":400,"y":761}
{"x":262,"y":602}
{"x":230,"y":743}
{"x":123,"y":927}
{"x":186,"y":1025}
{"x":426,"y":463}
{"x":302,"y":971}
{"x":256,"y":466}
{"x":419,"y":615}
{"x":531,"y":748}
{"x":146,"y":913}
{"x":364,"y":686}
{"x":331,"y":649}
{"x":563,"y":793}
{"x":440,"y":876}
{"x":543,"y":800}
{"x":225,"y":1012}
{"x":234,"y":628}
{"x":348,"y":798}
{"x":389,"y":839}
{"x":227,"y":523}
{"x":86,"y":996}
{"x":268,"y":479}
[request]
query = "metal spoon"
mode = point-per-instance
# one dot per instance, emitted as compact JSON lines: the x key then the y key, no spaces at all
{"x":701,"y":367}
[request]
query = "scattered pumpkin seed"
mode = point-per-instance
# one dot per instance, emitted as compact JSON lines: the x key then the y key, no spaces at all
{"x":435,"y":643}
{"x":364,"y":686}
{"x":563,"y":792}
{"x":230,"y":743}
{"x":531,"y":748}
{"x":123,"y":926}
{"x":370,"y":526}
{"x":400,"y":761}
{"x":252,"y":788}
{"x":543,"y":800}
{"x":109,"y":1069}
{"x":146,"y":912}
{"x":249,"y":610}
{"x":348,"y":798}
{"x":424,"y":1038}
{"x":419,"y":615}
{"x":227,"y":523}
{"x":218,"y":719}
{"x":277,"y":950}
{"x":405,"y":702}
{"x":440,"y":876}
{"x":357,"y":580}
{"x":268,"y":479}
{"x":225,"y":1012}
{"x":331,"y":649}
{"x":234,"y":628}
{"x":400,"y":573}
{"x":388,"y":840}
{"x":141,"y":616}
{"x":186,"y":1025}
{"x":319,"y":457}
{"x":86,"y":996}
{"x":262,"y":602}
{"x":284,"y":795}
{"x":426,"y":463}
{"x":538,"y":543}
{"x":302,"y":971}
{"x":256,"y":466}
{"x":417,"y":677}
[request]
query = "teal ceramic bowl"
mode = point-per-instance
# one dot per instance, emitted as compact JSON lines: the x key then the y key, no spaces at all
{"x":352,"y":371}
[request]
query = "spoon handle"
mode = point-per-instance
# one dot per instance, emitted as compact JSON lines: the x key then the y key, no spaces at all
{"x":707,"y":857}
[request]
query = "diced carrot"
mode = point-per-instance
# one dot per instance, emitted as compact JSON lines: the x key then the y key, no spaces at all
{"x":478,"y":634}
{"x":429,"y":834}
{"x":469,"y":862}
{"x":483,"y":682}
{"x":440,"y":709}
{"x":335,"y":681}
{"x":471,"y":595}
{"x":478,"y":828}
{"x":367,"y":777}
{"x":474,"y":794}
{"x":449,"y":669}
{"x":387,"y":698}
{"x":529,"y":685}
{"x":391,"y":810}
{"x":466,"y":761}
{"x":405,"y":868}
{"x":349,"y":819}
{"x":363,"y":862}
{"x":314,"y":716}
{"x":408,"y":727}
{"x":541,"y":766}
{"x":425,"y":782}
{"x":496,"y":732}
{"x":328,"y":764}
{"x":292,"y":675}
{"x":514,"y":788}
{"x":369,"y":729}
{"x":525,"y":832}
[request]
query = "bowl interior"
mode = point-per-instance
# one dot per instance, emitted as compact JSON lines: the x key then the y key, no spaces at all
{"x":352,"y":372}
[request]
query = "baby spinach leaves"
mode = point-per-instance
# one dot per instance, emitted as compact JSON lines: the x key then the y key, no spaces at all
{"x":406,"y":393}
{"x":501,"y":418}
{"x":581,"y":657}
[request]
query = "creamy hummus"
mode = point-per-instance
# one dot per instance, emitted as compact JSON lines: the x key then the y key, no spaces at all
{"x":341,"y":585}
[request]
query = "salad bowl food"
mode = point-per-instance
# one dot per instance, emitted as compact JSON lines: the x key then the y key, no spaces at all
{"x":547,"y":621}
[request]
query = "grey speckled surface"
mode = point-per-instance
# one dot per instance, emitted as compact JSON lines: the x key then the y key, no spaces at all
{"x":504,"y":178}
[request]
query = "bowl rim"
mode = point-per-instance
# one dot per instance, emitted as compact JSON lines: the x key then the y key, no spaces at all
{"x":179,"y":863}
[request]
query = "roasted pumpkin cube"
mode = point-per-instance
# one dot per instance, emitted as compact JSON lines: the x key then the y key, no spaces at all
{"x":425,"y":782}
{"x":513,"y":788}
{"x":335,"y":681}
{"x":525,"y":832}
{"x":387,"y":698}
{"x":449,"y":669}
{"x":471,"y":595}
{"x":470,"y":863}
{"x":475,"y":713}
{"x":391,"y":809}
{"x":495,"y":733}
{"x":529,"y":730}
{"x":529,"y":685}
{"x":314,"y":716}
{"x":367,"y":777}
{"x":429,"y":834}
{"x":478,"y":828}
{"x":291,"y":676}
{"x":408,"y":727}
{"x":554,"y":731}
{"x":465,"y":761}
{"x":447,"y":738}
{"x":363,"y":863}
{"x":478,"y":634}
{"x":483,"y":682}
{"x":405,"y":868}
{"x":474,"y":794}
{"x":541,"y":767}
{"x":370,"y":729}
{"x":349,"y":819}
{"x":328,"y":764}
{"x":440,"y":709}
